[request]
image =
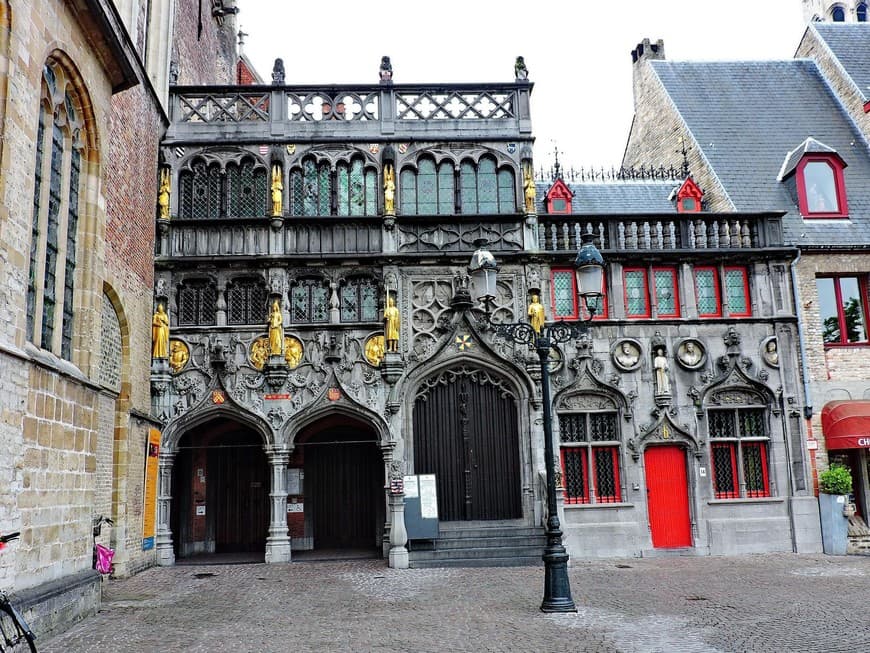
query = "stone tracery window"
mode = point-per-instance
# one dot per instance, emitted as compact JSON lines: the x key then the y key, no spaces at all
{"x":359,"y":301}
{"x":428,"y":190}
{"x":589,"y":452}
{"x":246,"y":301}
{"x":197,"y":303}
{"x":207,"y":192}
{"x":60,"y":146}
{"x":483,"y":189}
{"x":310,"y":189}
{"x":247,"y":190}
{"x":739,"y":450}
{"x":357,"y":189}
{"x":309,"y":301}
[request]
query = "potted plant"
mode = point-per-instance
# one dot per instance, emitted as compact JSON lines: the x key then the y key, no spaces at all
{"x":835,"y":483}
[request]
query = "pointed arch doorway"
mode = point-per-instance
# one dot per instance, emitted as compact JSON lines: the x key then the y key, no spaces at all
{"x":343,"y":485}
{"x":220,"y":489}
{"x":466,"y":433}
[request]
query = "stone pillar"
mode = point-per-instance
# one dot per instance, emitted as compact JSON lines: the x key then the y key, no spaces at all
{"x":165,"y":553}
{"x":278,"y":541}
{"x":398,"y":534}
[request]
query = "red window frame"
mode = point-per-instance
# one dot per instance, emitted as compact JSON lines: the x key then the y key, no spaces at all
{"x":675,"y":290}
{"x":734,"y":492}
{"x":574,"y":303}
{"x":864,"y":292}
{"x":762,"y":447}
{"x":609,"y":498}
{"x":601,"y":313}
{"x":689,"y":191}
{"x":580,"y":451}
{"x":836,"y":165}
{"x":715,"y":271}
{"x":644,"y":288}
{"x":745,"y":273}
{"x":583,"y":450}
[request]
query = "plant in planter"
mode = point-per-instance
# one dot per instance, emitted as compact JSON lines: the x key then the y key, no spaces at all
{"x":836,"y":479}
{"x":834,"y":484}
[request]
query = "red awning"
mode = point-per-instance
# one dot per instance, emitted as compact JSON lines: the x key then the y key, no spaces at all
{"x":846,"y":424}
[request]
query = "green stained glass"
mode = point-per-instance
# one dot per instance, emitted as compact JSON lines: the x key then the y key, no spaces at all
{"x":357,"y":191}
{"x":563,"y":294}
{"x":368,"y":301}
{"x":506,"y":192}
{"x":343,"y":182}
{"x":349,"y":303}
{"x":408,"y":192}
{"x":445,"y":189}
{"x":319,"y":304}
{"x":705,"y":290}
{"x":635,"y":294}
{"x":297,"y":193}
{"x":487,"y":186}
{"x":324,"y":188}
{"x":735,"y":290}
{"x":371,"y":184}
{"x":666,"y":292}
{"x":309,"y":171}
{"x":427,"y":188}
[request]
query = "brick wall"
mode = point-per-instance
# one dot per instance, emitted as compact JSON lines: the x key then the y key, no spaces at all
{"x":208,"y":57}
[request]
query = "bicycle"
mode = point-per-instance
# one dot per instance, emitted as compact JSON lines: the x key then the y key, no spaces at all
{"x":16,"y":634}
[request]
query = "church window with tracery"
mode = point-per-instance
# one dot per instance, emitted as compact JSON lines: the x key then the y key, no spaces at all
{"x":247,"y":190}
{"x":246,"y":301}
{"x":359,"y":301}
{"x":428,"y":190}
{"x":861,"y":12}
{"x":483,"y":189}
{"x":356,"y":189}
{"x":309,"y":301}
{"x":310,"y":189}
{"x":197,"y":303}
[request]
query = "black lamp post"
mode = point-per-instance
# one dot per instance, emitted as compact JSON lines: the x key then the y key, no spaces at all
{"x":589,"y":266}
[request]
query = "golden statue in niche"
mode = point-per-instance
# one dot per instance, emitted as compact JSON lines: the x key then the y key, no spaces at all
{"x":389,"y":189}
{"x":292,"y":351}
{"x":276,"y":330}
{"x":259,"y":353}
{"x":374,"y":350}
{"x":179,"y":354}
{"x":164,"y":192}
{"x":391,"y":325}
{"x":529,"y":188}
{"x":160,"y":333}
{"x":277,"y":191}
{"x":536,"y":314}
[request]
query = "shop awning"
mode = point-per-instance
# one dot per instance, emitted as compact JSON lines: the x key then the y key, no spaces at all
{"x":846,"y":424}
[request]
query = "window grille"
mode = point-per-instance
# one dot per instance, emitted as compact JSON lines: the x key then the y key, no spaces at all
{"x":309,"y":301}
{"x":735,"y":291}
{"x":310,"y":189}
{"x":707,"y":292}
{"x":356,"y":189}
{"x":359,"y":301}
{"x":429,"y":190}
{"x":197,"y":303}
{"x":739,"y":450}
{"x":247,"y":190}
{"x":564,"y":294}
{"x":665,"y":280}
{"x":246,"y":302}
{"x":636,"y":299}
{"x":590,"y":452}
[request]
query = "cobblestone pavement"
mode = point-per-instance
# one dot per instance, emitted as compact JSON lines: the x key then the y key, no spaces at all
{"x":672,"y":604}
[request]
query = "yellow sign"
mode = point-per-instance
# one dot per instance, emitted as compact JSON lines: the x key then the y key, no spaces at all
{"x":150,"y":512}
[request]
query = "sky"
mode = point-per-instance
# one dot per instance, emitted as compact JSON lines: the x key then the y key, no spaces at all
{"x":578,"y":53}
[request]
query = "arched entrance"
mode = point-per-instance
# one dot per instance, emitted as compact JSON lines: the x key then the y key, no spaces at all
{"x":466,"y":433}
{"x":220,"y":489}
{"x":343,"y":486}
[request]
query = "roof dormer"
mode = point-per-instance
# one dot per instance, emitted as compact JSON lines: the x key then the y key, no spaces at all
{"x":816,"y":172}
{"x":688,"y":196}
{"x":558,"y":198}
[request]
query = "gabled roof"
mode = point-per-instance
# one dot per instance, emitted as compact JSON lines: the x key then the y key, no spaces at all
{"x":849,"y":42}
{"x":809,"y":146}
{"x":615,"y":197}
{"x":747,"y":116}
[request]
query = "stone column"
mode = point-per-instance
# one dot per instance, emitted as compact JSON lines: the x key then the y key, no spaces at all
{"x":278,"y":541}
{"x":165,"y":553}
{"x":398,"y":533}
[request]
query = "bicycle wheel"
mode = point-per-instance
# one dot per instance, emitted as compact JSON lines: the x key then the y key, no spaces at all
{"x":15,"y":635}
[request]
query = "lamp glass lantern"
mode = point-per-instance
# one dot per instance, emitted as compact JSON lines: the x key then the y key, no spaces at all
{"x":483,"y":270}
{"x":589,"y":268}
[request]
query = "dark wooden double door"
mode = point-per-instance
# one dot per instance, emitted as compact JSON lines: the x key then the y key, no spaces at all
{"x":465,"y":432}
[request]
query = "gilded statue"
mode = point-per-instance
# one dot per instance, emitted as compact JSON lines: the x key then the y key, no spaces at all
{"x":160,"y":333}
{"x":259,"y":352}
{"x":276,"y":330}
{"x":179,"y":354}
{"x":163,"y":194}
{"x":292,"y":352}
{"x":389,"y":189}
{"x":529,"y":189}
{"x":277,"y":191}
{"x":374,"y":350}
{"x":391,"y":325}
{"x":536,"y":314}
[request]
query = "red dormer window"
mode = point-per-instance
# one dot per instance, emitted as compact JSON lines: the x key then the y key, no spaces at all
{"x":689,"y":197}
{"x":559,"y":197}
{"x":820,"y":186}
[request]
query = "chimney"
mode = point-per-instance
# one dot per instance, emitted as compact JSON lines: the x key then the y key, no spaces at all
{"x":645,"y":51}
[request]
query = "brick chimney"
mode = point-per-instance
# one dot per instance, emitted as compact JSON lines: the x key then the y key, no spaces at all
{"x":645,"y":51}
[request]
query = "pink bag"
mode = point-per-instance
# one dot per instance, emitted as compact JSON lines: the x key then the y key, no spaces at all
{"x":104,"y":559}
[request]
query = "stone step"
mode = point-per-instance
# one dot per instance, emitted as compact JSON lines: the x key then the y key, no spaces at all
{"x":499,"y":541}
{"x":513,"y":561}
{"x":466,"y":545}
{"x":447,"y":532}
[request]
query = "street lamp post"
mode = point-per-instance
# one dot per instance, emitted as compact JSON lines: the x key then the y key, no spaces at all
{"x":589,"y":266}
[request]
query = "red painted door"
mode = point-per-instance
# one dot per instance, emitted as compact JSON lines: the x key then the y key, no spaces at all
{"x":667,"y":492}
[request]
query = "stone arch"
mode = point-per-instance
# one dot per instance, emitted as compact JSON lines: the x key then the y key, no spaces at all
{"x":174,"y":431}
{"x":315,"y":413}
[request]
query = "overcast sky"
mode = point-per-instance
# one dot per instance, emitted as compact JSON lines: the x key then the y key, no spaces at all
{"x":577,"y":53}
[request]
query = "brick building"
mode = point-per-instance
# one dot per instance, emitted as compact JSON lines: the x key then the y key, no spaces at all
{"x":82,"y":110}
{"x":789,"y":136}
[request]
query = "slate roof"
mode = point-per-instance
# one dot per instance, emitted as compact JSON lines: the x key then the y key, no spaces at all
{"x":747,"y":116}
{"x":849,"y":42}
{"x":616,"y":197}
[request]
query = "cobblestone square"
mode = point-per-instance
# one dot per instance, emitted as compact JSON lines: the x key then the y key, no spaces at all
{"x":681,"y":604}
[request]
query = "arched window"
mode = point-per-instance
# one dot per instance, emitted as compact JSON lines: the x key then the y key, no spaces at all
{"x":246,"y":301}
{"x":60,"y":149}
{"x":838,"y":14}
{"x":197,"y":303}
{"x":309,"y":301}
{"x":310,"y":189}
{"x":429,"y":190}
{"x":359,"y":301}
{"x":861,"y":12}
{"x":739,"y":448}
{"x":356,"y":189}
{"x":201,"y":189}
{"x":485,"y":190}
{"x":247,"y":190}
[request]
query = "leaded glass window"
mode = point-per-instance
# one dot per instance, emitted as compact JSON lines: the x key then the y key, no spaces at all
{"x":707,"y":292}
{"x":70,"y":266}
{"x":736,"y":292}
{"x":201,"y":190}
{"x":309,"y":301}
{"x":589,"y":451}
{"x":356,"y":189}
{"x":247,"y":190}
{"x":738,"y":447}
{"x":359,"y":301}
{"x":485,"y":190}
{"x":310,"y":189}
{"x":197,"y":303}
{"x":429,"y":190}
{"x":636,"y":296}
{"x":246,"y":301}
{"x":665,"y":281}
{"x":564,"y":294}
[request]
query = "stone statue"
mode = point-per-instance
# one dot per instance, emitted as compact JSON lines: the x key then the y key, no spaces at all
{"x":529,"y":189}
{"x":536,"y":314}
{"x":660,"y":365}
{"x":627,"y":355}
{"x":520,"y":70}
{"x":771,"y":355}
{"x":160,"y":333}
{"x":391,"y":325}
{"x":163,"y":195}
{"x":389,"y":189}
{"x":276,"y":330}
{"x":178,"y":355}
{"x":386,"y":71}
{"x":277,"y":191}
{"x":278,"y":72}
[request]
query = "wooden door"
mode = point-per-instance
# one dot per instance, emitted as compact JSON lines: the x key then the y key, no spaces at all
{"x":465,"y":432}
{"x":343,"y":487}
{"x":667,"y":491}
{"x":238,"y":474}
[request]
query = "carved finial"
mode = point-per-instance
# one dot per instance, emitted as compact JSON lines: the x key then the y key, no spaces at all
{"x":173,"y":72}
{"x":557,"y":171}
{"x":386,"y":70}
{"x":241,"y":36}
{"x":520,"y":70}
{"x":278,"y":72}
